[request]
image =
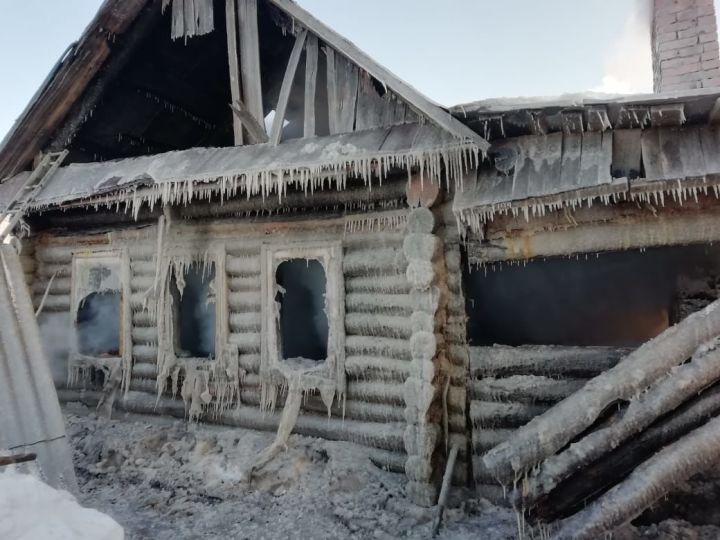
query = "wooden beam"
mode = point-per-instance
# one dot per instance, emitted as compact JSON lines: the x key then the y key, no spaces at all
{"x":311,"y":72}
{"x":255,"y":131}
{"x":671,"y":115}
{"x":598,"y":229}
{"x":250,"y":59}
{"x":286,"y":88}
{"x":429,"y":109}
{"x":333,"y":111}
{"x":714,"y":116}
{"x":234,"y":67}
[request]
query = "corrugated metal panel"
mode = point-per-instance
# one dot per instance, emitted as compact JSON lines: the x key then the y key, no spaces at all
{"x":30,"y":416}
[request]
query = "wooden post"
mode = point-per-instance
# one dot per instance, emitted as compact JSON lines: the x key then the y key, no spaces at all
{"x":250,"y":59}
{"x":286,"y":88}
{"x":332,"y":90}
{"x":234,"y":66}
{"x":311,"y":71}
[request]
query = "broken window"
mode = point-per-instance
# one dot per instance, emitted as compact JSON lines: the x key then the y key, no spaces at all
{"x":193,"y":294}
{"x":97,"y":292}
{"x":100,"y":344}
{"x":303,"y":311}
{"x":304,"y":327}
{"x":98,"y":324}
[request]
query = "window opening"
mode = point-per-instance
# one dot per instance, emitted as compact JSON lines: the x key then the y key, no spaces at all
{"x":194,"y":298}
{"x":304,"y":325}
{"x":98,"y":324}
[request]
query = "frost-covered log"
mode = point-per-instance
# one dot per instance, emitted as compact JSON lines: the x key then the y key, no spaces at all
{"x":691,"y":455}
{"x":548,"y":433}
{"x":572,"y":495}
{"x":663,"y":397}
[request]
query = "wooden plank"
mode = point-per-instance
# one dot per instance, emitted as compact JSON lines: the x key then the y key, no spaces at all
{"x":590,"y":159}
{"x":571,"y":159}
{"x":429,"y":109}
{"x":281,"y":110}
{"x":348,"y":80}
{"x":372,"y":108}
{"x":231,"y":30}
{"x":333,"y":110}
{"x":689,"y":151}
{"x":670,"y":115}
{"x":710,"y":144}
{"x":255,"y":131}
{"x":627,"y":153}
{"x":651,"y":154}
{"x":605,"y":162}
{"x":311,"y":72}
{"x":250,"y":59}
{"x":551,"y":170}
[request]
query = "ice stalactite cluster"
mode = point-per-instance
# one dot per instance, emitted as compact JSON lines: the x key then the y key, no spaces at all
{"x":375,"y":222}
{"x":190,"y":17}
{"x":447,"y":166}
{"x":211,"y":384}
{"x":423,"y":434}
{"x":474,"y":219}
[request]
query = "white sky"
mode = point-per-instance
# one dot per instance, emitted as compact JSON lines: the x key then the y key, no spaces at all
{"x":454,"y":51}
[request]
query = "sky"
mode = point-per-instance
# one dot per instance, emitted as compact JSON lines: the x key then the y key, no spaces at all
{"x":454,"y":51}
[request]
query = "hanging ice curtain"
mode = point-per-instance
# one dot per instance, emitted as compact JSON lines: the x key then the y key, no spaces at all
{"x":190,"y":17}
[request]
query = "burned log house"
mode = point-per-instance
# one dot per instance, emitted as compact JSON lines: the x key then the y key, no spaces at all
{"x":251,"y":211}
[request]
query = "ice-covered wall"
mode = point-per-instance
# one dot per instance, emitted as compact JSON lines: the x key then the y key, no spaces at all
{"x":377,"y":306}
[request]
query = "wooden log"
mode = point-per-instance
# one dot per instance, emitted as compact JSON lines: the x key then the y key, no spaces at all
{"x":363,"y":367}
{"x":663,"y":397}
{"x":549,"y":361}
{"x":573,"y":494}
{"x":367,"y":324}
{"x":378,"y":346}
{"x":286,"y":88}
{"x":694,"y":453}
{"x":494,"y":414}
{"x":524,"y":389}
{"x":547,"y":434}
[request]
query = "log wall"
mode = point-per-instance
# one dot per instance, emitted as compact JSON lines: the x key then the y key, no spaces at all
{"x":509,"y":386}
{"x":377,"y":325}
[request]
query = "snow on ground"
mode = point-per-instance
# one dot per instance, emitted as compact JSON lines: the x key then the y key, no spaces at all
{"x":163,"y":479}
{"x":32,"y":510}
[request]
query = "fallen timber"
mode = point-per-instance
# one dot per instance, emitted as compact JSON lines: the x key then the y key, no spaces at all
{"x":547,"y":434}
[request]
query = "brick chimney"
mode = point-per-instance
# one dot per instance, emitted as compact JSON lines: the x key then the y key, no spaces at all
{"x":685,"y":45}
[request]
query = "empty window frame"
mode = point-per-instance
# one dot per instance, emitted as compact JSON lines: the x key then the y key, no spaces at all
{"x":194,"y":310}
{"x":303,"y":309}
{"x":99,"y":293}
{"x":303,"y":322}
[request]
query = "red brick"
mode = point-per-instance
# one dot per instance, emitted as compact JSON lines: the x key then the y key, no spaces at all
{"x":710,"y":56}
{"x":662,"y":20}
{"x":678,"y":44}
{"x":690,"y":32}
{"x":707,"y":37}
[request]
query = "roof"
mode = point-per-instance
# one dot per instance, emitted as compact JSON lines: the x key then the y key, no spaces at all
{"x":513,"y":117}
{"x":567,"y":170}
{"x":77,"y":69}
{"x":308,"y":164}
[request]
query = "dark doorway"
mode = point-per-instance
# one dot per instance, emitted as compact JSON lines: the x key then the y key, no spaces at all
{"x":195,"y":314}
{"x":304,"y":324}
{"x":98,"y":324}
